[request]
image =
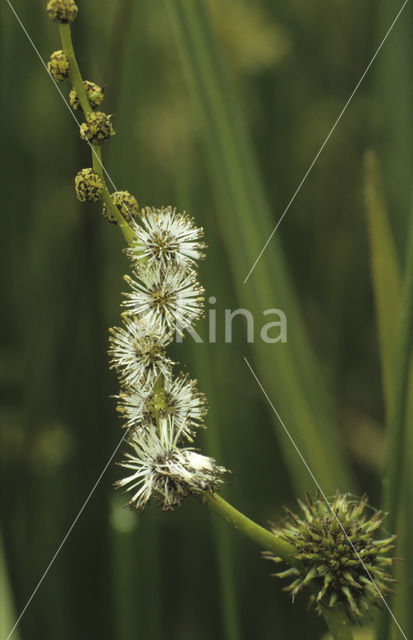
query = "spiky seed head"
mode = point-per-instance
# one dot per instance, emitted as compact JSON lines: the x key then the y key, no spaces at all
{"x":88,"y":185}
{"x":94,"y":94}
{"x":126,"y":204}
{"x":58,"y":66}
{"x":334,"y":549}
{"x":62,"y":11}
{"x":97,"y":128}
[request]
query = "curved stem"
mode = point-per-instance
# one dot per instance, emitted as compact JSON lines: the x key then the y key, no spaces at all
{"x":74,"y":71}
{"x":336,"y":618}
{"x":77,"y":82}
{"x":251,"y":529}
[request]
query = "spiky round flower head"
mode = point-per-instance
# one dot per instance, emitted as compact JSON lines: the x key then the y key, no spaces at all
{"x":171,"y":296}
{"x":166,"y":236}
{"x":58,"y":66}
{"x":161,"y":469}
{"x":334,"y":549}
{"x":62,"y":11}
{"x":137,"y":351}
{"x":97,"y":128}
{"x":94,"y":94}
{"x":126,"y":204}
{"x":88,"y":185}
{"x":182,"y":402}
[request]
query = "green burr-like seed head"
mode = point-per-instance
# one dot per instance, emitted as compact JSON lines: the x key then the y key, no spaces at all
{"x":88,"y":185}
{"x":63,"y":11}
{"x":94,"y":94}
{"x":58,"y":66}
{"x":335,"y":551}
{"x":126,"y":203}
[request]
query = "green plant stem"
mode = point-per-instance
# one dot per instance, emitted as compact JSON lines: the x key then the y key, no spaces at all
{"x":336,"y":618}
{"x":77,"y":82}
{"x":396,"y":434}
{"x":251,"y":529}
{"x":338,"y":623}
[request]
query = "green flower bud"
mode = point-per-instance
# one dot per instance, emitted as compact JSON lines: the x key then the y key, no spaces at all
{"x":328,"y":562}
{"x":94,"y":93}
{"x":58,"y":66}
{"x":125,"y":202}
{"x":88,"y":185}
{"x":62,"y":11}
{"x":97,"y":128}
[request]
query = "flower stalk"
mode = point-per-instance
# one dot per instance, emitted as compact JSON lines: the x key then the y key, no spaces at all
{"x":250,"y":529}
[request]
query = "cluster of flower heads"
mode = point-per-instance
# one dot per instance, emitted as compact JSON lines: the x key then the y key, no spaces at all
{"x":160,"y":410}
{"x":97,"y":127}
{"x":337,"y":554}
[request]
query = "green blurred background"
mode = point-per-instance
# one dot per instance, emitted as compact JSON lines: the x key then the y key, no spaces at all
{"x":219,"y":108}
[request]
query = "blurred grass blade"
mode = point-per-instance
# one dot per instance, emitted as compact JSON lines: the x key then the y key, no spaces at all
{"x":7,"y":613}
{"x":388,"y":298}
{"x":385,"y":270}
{"x":398,"y":434}
{"x":289,"y":372}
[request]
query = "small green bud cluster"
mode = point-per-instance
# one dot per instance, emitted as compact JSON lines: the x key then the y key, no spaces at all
{"x":62,"y":11}
{"x":94,"y":94}
{"x":97,"y":128}
{"x":337,"y":553}
{"x":58,"y":66}
{"x":88,"y":186}
{"x":126,"y":204}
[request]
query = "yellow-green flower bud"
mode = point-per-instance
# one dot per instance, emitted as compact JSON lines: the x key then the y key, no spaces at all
{"x":97,"y":128}
{"x":62,"y":11}
{"x":94,"y":93}
{"x":125,"y":202}
{"x":58,"y":66}
{"x":88,"y":185}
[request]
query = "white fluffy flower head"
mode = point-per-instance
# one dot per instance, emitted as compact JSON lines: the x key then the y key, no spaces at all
{"x":159,"y":468}
{"x":137,"y":351}
{"x":183,"y":403}
{"x":170,"y":296}
{"x":166,"y":237}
